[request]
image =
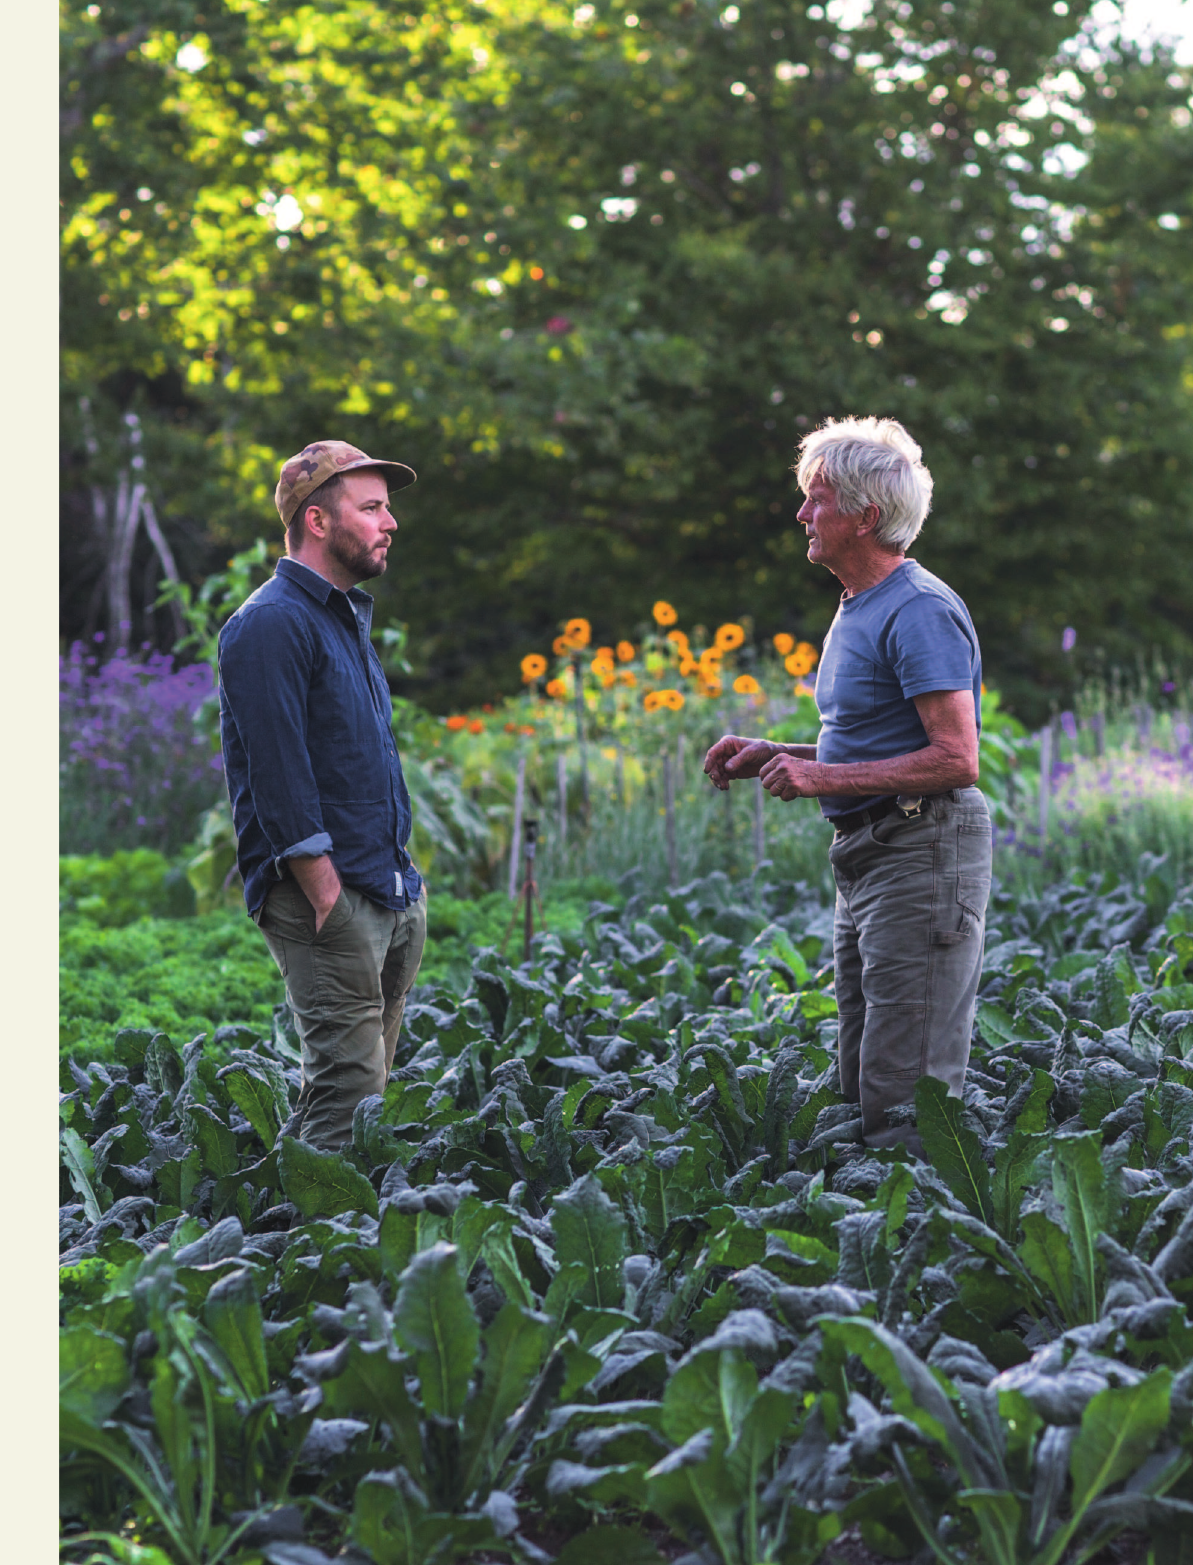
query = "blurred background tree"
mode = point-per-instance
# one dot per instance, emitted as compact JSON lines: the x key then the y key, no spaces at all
{"x":594,"y":271}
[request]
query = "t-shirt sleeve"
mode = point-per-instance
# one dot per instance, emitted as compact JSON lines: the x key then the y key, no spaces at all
{"x":932,"y":647}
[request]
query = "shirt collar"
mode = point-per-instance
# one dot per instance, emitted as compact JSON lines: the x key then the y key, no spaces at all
{"x":319,"y":586}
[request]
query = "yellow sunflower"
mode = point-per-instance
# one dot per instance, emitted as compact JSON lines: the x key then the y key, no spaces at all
{"x":729,"y":637}
{"x":534,"y":666}
{"x":747,"y":685}
{"x":664,"y":614}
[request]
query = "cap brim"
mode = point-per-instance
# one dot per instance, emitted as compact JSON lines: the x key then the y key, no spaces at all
{"x":400,"y":476}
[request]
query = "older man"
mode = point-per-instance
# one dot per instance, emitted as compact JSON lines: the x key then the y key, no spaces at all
{"x":319,"y":803}
{"x":899,"y":694}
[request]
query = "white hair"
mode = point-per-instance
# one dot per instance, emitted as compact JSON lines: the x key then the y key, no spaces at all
{"x":870,"y":461}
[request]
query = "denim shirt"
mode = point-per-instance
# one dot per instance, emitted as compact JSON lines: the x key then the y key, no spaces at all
{"x":309,"y":754}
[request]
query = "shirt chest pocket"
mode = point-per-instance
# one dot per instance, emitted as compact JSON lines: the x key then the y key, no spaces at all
{"x":850,"y":688}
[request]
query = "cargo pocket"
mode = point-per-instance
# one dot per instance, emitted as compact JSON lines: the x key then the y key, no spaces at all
{"x":967,"y":912}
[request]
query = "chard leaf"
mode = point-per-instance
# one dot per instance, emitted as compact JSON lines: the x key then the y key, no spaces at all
{"x":434,"y":1320}
{"x":372,"y":1383}
{"x":1118,"y":1429}
{"x":322,"y":1184}
{"x":1014,"y":1167}
{"x":952,"y":1147}
{"x":590,"y":1230}
{"x":80,"y":1168}
{"x":254,"y":1096}
{"x":1079,"y":1184}
{"x":515,"y":1345}
{"x":233,"y":1317}
{"x":1048,"y":1256}
{"x":92,"y":1373}
{"x":216,"y":1143}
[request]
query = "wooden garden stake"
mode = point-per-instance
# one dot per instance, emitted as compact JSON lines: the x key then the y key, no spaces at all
{"x":669,"y":812}
{"x":516,"y":835}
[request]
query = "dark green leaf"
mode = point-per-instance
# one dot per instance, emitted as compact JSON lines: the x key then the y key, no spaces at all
{"x":434,"y":1320}
{"x":322,"y":1184}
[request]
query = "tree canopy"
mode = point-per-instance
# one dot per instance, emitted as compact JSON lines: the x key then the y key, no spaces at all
{"x":593,"y":272}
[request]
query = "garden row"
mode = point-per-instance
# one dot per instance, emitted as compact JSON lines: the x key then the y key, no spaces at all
{"x":607,"y":1273}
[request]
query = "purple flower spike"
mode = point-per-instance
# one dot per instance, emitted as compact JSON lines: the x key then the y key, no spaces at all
{"x":1069,"y":639}
{"x":1069,"y":723}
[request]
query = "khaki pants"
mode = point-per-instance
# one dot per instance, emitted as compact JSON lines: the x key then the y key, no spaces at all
{"x":347,"y":987}
{"x":907,"y":944}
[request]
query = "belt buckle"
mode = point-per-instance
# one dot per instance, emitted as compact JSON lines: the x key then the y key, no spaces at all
{"x":909,"y":805}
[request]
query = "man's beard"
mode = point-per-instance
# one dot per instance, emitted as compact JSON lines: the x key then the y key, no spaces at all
{"x":353,"y":555}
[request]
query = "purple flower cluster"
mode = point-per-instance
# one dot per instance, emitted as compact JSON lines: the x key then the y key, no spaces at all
{"x":136,"y":769}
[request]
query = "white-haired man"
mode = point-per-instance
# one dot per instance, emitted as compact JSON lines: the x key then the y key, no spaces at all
{"x":899,"y":695}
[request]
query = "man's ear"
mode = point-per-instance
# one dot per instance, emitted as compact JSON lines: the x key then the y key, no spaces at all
{"x":870,"y":519}
{"x":316,"y":521}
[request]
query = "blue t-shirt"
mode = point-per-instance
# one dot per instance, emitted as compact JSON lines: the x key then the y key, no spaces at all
{"x":907,"y":635}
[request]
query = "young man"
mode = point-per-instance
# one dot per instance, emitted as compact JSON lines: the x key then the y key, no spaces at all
{"x":899,"y":693}
{"x":319,"y":804}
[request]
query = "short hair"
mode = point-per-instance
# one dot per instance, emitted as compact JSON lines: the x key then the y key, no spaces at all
{"x":326,"y":497}
{"x":871,"y":461}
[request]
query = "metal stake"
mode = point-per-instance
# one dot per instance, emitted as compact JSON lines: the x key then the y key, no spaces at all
{"x":759,"y":833}
{"x":516,"y":835}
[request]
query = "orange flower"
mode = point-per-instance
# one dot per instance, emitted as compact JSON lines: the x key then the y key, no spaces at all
{"x":558,"y":689}
{"x":476,"y":726}
{"x":803,"y":660}
{"x":606,"y":653}
{"x":747,"y":685}
{"x":534,"y":666}
{"x":602,"y":665}
{"x":511,"y":728}
{"x":578,"y":632}
{"x":608,"y":681}
{"x":678,"y":639}
{"x":627,"y":676}
{"x":652,"y":701}
{"x":803,"y":690}
{"x":561,"y":646}
{"x":710,"y":687}
{"x":710,"y":661}
{"x":456,"y":723}
{"x":783,"y":643}
{"x":625,"y":651}
{"x":671,"y":699}
{"x":729,"y":637}
{"x":664,"y":614}
{"x":526,"y":729}
{"x":688,"y":666}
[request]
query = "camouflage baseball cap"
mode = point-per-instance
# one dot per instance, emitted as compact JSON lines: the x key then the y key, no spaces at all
{"x":316,"y":463}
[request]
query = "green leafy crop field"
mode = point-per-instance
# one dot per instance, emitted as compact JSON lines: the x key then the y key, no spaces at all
{"x":607,"y":1274}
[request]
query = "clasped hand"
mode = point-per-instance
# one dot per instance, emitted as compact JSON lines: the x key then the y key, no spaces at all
{"x":734,"y":758}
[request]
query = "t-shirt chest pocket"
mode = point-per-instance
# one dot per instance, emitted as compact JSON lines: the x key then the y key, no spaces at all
{"x":850,"y":686}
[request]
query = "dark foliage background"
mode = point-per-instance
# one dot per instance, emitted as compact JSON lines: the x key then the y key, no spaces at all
{"x":348,"y":220}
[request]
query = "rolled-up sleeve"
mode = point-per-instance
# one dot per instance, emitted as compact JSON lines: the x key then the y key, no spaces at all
{"x":265,"y":662}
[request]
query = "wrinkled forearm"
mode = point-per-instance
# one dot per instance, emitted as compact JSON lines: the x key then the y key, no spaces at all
{"x":935,"y":769}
